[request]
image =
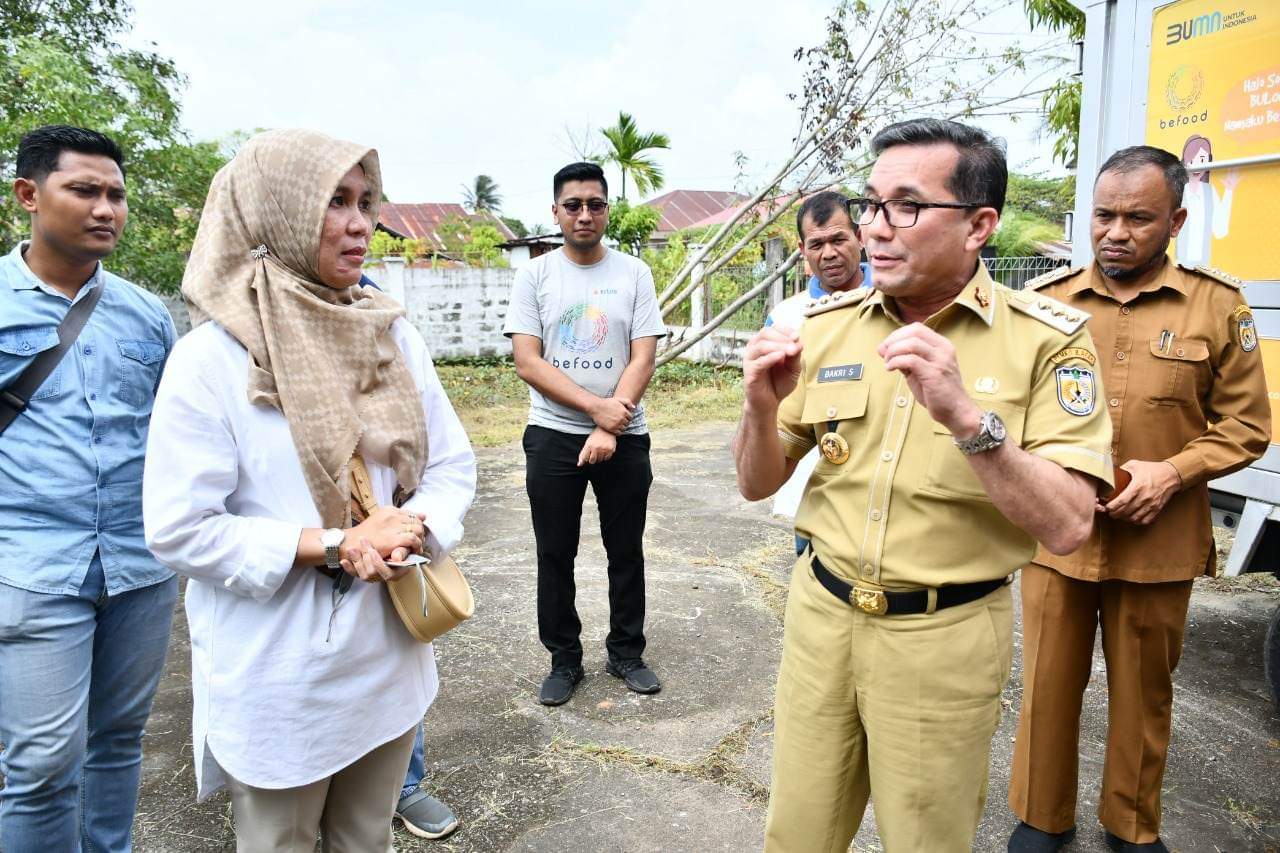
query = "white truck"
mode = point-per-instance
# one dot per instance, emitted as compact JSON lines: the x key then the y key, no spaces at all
{"x":1202,"y":78}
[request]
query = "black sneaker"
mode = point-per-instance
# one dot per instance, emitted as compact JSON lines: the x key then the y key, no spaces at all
{"x":559,"y":685}
{"x":1118,"y":844}
{"x":1027,"y":839}
{"x":637,"y":676}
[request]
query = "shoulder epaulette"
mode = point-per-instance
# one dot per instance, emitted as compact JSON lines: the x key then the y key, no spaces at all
{"x":1061,"y":316}
{"x":1216,"y":274}
{"x":833,"y":301}
{"x":1051,"y":276}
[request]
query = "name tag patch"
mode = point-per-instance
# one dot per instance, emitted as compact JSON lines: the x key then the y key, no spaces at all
{"x":840,"y":373}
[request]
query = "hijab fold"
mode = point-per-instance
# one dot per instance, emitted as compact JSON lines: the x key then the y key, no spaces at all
{"x":324,"y":357}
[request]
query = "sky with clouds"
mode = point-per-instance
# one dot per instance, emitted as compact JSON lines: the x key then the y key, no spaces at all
{"x":449,"y":90}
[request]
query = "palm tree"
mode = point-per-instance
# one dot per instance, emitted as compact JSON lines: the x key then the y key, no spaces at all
{"x":482,"y":195}
{"x":627,"y":146}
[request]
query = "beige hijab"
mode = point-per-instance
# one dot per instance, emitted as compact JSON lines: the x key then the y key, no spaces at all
{"x":325,"y":358}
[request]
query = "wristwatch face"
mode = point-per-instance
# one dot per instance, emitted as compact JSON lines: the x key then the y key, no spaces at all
{"x":331,"y":538}
{"x":993,"y":426}
{"x":991,"y":434}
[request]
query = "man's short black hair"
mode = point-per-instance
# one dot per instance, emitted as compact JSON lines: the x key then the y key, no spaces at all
{"x":819,"y":208}
{"x":1140,"y":156}
{"x":578,"y":172}
{"x":39,"y":150}
{"x":981,"y":175}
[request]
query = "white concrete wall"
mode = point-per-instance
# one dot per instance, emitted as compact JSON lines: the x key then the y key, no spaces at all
{"x":723,"y":346}
{"x":459,"y":312}
{"x":518,"y":257}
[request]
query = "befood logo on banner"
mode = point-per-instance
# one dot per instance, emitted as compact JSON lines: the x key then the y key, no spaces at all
{"x":1182,"y":91}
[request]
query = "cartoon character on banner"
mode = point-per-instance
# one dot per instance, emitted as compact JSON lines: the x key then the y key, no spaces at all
{"x":1208,"y":215}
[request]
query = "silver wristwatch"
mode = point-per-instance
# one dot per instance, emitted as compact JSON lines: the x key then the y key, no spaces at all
{"x":991,"y":434}
{"x":331,"y":539}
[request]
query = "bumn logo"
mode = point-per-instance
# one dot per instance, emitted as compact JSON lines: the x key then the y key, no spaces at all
{"x":1201,"y":25}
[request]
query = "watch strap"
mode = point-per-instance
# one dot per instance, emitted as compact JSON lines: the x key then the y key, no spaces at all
{"x":984,"y":440}
{"x":332,"y":554}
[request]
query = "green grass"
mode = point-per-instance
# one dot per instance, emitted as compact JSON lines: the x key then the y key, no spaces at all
{"x":494,"y":404}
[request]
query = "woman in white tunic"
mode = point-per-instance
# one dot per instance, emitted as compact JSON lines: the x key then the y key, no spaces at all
{"x":307,"y":688}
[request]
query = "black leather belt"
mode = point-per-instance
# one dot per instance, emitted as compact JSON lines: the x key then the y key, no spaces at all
{"x":890,"y":603}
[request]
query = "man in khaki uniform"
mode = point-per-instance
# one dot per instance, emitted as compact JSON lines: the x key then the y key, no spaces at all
{"x":1186,"y":395}
{"x":959,"y":422}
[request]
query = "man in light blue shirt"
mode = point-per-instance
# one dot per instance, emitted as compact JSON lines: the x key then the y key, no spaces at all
{"x":831,"y":246}
{"x":84,"y":607}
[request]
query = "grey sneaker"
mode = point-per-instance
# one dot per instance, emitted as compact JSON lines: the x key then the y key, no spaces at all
{"x":559,"y":685}
{"x":425,"y":816}
{"x":635,"y":674}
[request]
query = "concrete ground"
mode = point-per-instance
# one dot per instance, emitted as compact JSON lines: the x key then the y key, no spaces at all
{"x":688,"y":769}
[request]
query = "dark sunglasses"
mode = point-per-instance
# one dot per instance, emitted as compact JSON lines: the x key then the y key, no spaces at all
{"x":595,"y":205}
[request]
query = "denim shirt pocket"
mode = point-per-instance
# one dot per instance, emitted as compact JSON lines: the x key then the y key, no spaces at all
{"x":17,"y":349}
{"x":140,"y":364}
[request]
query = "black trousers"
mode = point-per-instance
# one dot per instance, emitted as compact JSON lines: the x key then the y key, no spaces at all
{"x":556,"y":487}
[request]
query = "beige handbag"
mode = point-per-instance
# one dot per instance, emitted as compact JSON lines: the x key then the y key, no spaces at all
{"x":430,"y":599}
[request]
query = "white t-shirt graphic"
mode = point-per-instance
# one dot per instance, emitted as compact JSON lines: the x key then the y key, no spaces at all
{"x":586,"y":317}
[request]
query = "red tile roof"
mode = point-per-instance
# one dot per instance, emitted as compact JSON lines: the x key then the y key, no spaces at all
{"x":762,"y":210}
{"x":421,"y":220}
{"x":682,"y":209}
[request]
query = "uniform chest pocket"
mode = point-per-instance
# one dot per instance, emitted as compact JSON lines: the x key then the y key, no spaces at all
{"x":1178,"y":371}
{"x":949,"y":474}
{"x":140,"y":363}
{"x":842,"y":404}
{"x":20,"y":346}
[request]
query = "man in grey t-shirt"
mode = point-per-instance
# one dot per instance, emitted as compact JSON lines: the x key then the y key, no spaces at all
{"x":584,"y":326}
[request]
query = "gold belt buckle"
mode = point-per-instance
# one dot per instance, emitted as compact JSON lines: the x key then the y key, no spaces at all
{"x":871,"y":601}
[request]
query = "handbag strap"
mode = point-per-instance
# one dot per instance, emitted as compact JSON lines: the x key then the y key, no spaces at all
{"x":14,"y":399}
{"x":363,"y":502}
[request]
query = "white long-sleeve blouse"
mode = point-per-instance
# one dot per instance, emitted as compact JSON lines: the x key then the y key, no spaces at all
{"x":287,"y":689}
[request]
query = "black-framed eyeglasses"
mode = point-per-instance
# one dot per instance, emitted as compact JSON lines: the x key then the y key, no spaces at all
{"x":898,"y":212}
{"x":574,"y":206}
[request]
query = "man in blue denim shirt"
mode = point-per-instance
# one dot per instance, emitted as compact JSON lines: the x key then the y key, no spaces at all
{"x":84,"y":607}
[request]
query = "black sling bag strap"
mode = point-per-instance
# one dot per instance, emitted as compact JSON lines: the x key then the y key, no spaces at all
{"x":14,"y":399}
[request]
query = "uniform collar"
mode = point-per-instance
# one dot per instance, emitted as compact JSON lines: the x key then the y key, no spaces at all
{"x":22,"y":278}
{"x":815,"y":285}
{"x":1170,"y":276}
{"x":978,"y":296}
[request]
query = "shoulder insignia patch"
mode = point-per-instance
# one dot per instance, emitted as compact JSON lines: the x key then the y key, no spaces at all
{"x":1246,"y":331}
{"x":834,"y":301}
{"x":1077,"y":389}
{"x":1048,"y":310}
{"x":1216,"y":274}
{"x":1051,"y":276}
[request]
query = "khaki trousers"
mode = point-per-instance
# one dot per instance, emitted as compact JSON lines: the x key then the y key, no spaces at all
{"x":351,"y":810}
{"x":1142,"y":627}
{"x":900,"y":709}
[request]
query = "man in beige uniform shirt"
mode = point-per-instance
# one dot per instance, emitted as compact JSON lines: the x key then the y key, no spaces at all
{"x":1184,"y":388}
{"x":959,"y":422}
